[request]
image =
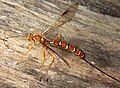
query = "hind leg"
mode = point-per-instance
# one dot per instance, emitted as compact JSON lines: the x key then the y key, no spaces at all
{"x":53,"y":59}
{"x":44,"y":50}
{"x":43,"y":55}
{"x":58,"y":37}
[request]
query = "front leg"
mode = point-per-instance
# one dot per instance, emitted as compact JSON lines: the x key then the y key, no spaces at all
{"x":30,"y":47}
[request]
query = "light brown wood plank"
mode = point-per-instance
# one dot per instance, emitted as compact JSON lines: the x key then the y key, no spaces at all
{"x":97,"y":34}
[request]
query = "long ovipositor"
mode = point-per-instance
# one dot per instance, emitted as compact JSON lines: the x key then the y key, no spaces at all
{"x":78,"y":52}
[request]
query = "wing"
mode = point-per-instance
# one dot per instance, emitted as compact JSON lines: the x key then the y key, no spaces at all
{"x":58,"y":56}
{"x":65,"y":17}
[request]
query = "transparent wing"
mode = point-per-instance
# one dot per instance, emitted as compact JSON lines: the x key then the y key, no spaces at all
{"x":58,"y":56}
{"x":65,"y":17}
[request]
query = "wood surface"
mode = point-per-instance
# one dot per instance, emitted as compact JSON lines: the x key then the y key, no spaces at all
{"x":95,"y":29}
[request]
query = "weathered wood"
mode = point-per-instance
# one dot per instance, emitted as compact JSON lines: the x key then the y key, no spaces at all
{"x":97,"y":34}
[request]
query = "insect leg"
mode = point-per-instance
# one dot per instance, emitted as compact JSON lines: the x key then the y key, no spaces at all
{"x":58,"y":37}
{"x":53,"y":58}
{"x":43,"y":55}
{"x":58,"y":56}
{"x":30,"y":47}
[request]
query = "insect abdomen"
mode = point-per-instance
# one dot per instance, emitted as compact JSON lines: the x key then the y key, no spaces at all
{"x":70,"y":47}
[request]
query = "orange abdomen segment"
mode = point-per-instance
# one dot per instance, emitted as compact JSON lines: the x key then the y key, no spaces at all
{"x":56,"y":42}
{"x":63,"y":44}
{"x":80,"y":53}
{"x":71,"y":47}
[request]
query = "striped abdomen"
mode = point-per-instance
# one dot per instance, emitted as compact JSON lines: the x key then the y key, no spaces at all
{"x":70,"y":47}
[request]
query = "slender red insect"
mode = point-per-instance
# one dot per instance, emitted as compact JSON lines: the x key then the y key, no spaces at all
{"x":38,"y":38}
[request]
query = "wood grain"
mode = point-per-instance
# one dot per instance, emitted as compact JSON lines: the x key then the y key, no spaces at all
{"x":97,"y":34}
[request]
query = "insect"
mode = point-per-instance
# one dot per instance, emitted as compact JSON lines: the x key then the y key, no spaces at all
{"x":38,"y":38}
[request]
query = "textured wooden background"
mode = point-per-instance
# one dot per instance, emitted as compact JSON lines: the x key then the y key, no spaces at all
{"x":95,"y":29}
